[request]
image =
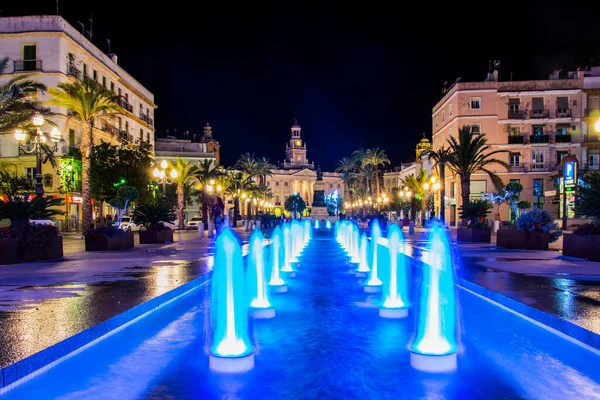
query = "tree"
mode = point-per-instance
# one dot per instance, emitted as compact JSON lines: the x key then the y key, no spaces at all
{"x":152,"y":214}
{"x":346,"y":168}
{"x":263,"y":169}
{"x":125,"y":195}
{"x":588,"y":199}
{"x":357,"y":158}
{"x":295,"y":204}
{"x":416,"y":184}
{"x":367,"y":173}
{"x":240,"y":183}
{"x":12,"y":185}
{"x":472,"y":154}
{"x":206,"y":172}
{"x":186,"y":172}
{"x":441,"y":159}
{"x":248,"y":163}
{"x":17,"y":106}
{"x":89,"y":103}
{"x":376,"y":157}
{"x":20,"y":210}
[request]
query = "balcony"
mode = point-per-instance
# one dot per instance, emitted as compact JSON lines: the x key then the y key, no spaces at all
{"x":591,"y":112}
{"x":147,"y":119}
{"x":27,"y":65}
{"x":562,"y":139}
{"x":516,"y":168}
{"x":72,"y":71}
{"x":563,"y":113}
{"x":540,"y":113}
{"x":541,"y":167}
{"x":589,"y":167}
{"x":539,"y":139}
{"x":123,"y":103}
{"x":516,"y":139}
{"x":517,"y":114}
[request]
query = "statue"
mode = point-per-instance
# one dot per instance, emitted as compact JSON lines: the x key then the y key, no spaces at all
{"x":319,"y":173}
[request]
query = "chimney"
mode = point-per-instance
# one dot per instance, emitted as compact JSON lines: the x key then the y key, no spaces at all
{"x":555,"y":74}
{"x":580,"y":73}
{"x":496,"y":75}
{"x":490,"y":76}
{"x":113,"y":57}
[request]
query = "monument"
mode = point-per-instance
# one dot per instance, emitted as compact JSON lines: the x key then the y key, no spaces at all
{"x":319,"y":208}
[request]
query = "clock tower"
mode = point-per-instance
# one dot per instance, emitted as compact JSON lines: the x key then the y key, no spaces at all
{"x":295,"y":150}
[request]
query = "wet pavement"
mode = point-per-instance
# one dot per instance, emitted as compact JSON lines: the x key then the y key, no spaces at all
{"x":42,"y":304}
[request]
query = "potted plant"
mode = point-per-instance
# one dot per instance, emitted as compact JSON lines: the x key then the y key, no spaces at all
{"x":108,"y":238}
{"x":535,"y":229}
{"x":584,"y":242}
{"x":32,"y":235}
{"x":476,"y":230}
{"x":151,"y":216}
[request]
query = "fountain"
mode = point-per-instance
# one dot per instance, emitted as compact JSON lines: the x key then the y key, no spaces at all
{"x":288,"y":256}
{"x":354,"y":249}
{"x":363,"y":266}
{"x":373,"y":283}
{"x":434,"y":346}
{"x":260,"y":306}
{"x":307,"y":233}
{"x":327,"y":224}
{"x":231,"y":350}
{"x":394,"y":301}
{"x":317,"y":224}
{"x":276,"y":284}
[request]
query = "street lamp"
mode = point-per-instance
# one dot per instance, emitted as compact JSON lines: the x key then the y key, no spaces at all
{"x":35,"y":145}
{"x":161,"y":177}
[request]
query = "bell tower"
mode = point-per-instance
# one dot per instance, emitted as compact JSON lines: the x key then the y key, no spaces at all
{"x":295,"y":149}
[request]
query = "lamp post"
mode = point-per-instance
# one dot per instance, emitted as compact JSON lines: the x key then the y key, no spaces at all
{"x":34,"y":144}
{"x":161,"y":177}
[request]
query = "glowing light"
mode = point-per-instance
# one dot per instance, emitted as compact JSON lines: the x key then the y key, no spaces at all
{"x":327,"y":224}
{"x":395,"y":287}
{"x":433,"y":179}
{"x":69,"y":167}
{"x":597,"y":125}
{"x":436,"y":186}
{"x":276,"y":257}
{"x":426,"y":186}
{"x":228,"y":306}
{"x":364,"y":265}
{"x":163,"y":164}
{"x":317,"y":224}
{"x":212,"y":181}
{"x":38,"y":120}
{"x":373,"y":273}
{"x":244,"y":195}
{"x":288,"y":256}
{"x":55,"y":135}
{"x":219,"y":188}
{"x":20,"y":135}
{"x":436,"y":333}
{"x":209,"y":188}
{"x":161,"y":174}
{"x":174,"y":174}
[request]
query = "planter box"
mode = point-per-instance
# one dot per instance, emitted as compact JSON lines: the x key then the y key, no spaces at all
{"x":582,"y":246}
{"x":9,"y":251}
{"x":153,"y":237}
{"x":101,"y":242}
{"x":483,"y":235}
{"x":523,"y":240}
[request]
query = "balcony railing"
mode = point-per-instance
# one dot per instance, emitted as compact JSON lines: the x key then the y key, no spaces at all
{"x":589,"y":167}
{"x":540,"y":114}
{"x":563,"y":113}
{"x":516,"y":139}
{"x":517,"y":114}
{"x":591,"y":111}
{"x":73,"y":71}
{"x":547,"y":166}
{"x":27,"y":65}
{"x":539,"y":139}
{"x":123,"y":103}
{"x":147,"y":119}
{"x":562,"y":139}
{"x":517,"y":168}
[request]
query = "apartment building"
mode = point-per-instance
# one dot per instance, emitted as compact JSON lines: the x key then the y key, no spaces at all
{"x":536,"y":122}
{"x":49,"y":50}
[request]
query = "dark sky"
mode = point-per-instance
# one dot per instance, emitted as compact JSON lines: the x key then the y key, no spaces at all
{"x":355,"y":76}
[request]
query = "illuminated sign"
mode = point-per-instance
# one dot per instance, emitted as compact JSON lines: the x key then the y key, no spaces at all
{"x":570,"y":173}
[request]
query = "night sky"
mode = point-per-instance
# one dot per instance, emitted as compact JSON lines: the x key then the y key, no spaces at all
{"x":362,"y":76}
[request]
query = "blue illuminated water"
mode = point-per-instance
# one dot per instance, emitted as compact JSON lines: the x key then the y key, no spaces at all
{"x":326,"y":342}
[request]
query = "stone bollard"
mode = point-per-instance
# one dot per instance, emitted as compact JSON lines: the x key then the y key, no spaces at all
{"x":201,"y":229}
{"x":496,"y":226}
{"x":411,"y":227}
{"x":211,"y":229}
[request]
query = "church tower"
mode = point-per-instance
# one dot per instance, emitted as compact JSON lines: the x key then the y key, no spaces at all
{"x":295,"y":150}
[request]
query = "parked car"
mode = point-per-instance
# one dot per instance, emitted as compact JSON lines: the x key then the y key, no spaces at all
{"x":43,"y":222}
{"x":193,"y":223}
{"x":127,"y":224}
{"x":172,"y":225}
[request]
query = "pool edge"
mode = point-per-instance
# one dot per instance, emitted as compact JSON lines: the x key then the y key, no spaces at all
{"x":29,"y":367}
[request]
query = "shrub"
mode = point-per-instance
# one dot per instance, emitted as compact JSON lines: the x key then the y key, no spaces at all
{"x":537,"y":220}
{"x":33,"y":238}
{"x":588,"y":198}
{"x":475,"y":211}
{"x":108,"y":231}
{"x":592,"y":228}
{"x":151,"y":215}
{"x":295,"y":202}
{"x":20,"y":211}
{"x":523,"y":205}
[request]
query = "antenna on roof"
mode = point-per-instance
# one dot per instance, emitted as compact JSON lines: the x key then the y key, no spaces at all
{"x":56,"y":7}
{"x":82,"y":27}
{"x":91,"y":19}
{"x":108,"y":41}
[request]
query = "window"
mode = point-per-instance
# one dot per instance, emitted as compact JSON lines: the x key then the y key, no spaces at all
{"x":84,"y":71}
{"x":120,"y":92}
{"x":71,"y":59}
{"x":476,"y":129}
{"x":450,"y":110}
{"x":277,"y":183}
{"x":285,"y":184}
{"x":436,"y":121}
{"x":593,"y":160}
{"x":339,"y":186}
{"x":514,"y":159}
{"x":127,"y":126}
{"x":331,"y":186}
{"x":120,"y":123}
{"x":148,"y":137}
{"x":538,"y":104}
{"x":112,"y":87}
{"x":104,"y":81}
{"x":443,"y":116}
{"x":562,"y":103}
{"x":141,"y":134}
{"x":513,"y":105}
{"x":514,"y":131}
{"x":475,"y":103}
{"x":594,"y":103}
{"x":277,"y":201}
{"x":95,"y":75}
{"x":538,"y":193}
{"x":561,"y":154}
{"x":562,"y":130}
{"x":30,"y":173}
{"x":29,"y":57}
{"x":478,"y":188}
{"x":71,"y":140}
{"x":538,"y":130}
{"x":538,"y":157}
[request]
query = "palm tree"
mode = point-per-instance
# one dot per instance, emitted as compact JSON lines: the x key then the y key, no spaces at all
{"x":376,"y":157}
{"x":186,"y":172}
{"x":240,"y":183}
{"x":472,"y":154}
{"x":17,"y":106}
{"x":416,"y":184}
{"x":248,"y":163}
{"x":441,"y":159}
{"x":346,"y":168}
{"x":263,"y":169}
{"x":367,"y":173}
{"x":89,"y":103}
{"x":206,"y":172}
{"x":357,"y":158}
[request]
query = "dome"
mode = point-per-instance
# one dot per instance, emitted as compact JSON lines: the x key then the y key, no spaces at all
{"x":424,"y":140}
{"x":296,"y":124}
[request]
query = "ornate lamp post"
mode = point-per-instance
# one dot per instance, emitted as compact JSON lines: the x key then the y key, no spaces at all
{"x":32,"y":143}
{"x":161,"y":177}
